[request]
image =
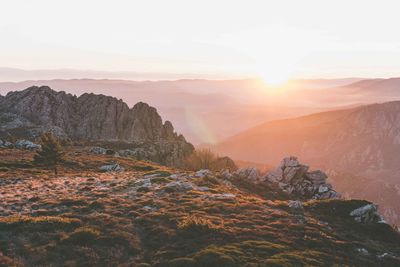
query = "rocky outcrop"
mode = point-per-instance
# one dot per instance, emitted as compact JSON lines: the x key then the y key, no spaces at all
{"x":366,"y":214}
{"x":26,"y":144}
{"x":249,"y":173}
{"x":20,"y":144}
{"x":6,"y":144}
{"x":35,"y":110}
{"x":111,"y":168}
{"x":295,"y":179}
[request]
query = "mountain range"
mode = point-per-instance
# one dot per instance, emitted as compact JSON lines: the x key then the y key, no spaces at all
{"x":207,"y":111}
{"x":360,"y":146}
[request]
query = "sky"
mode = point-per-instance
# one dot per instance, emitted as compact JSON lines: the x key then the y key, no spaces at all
{"x":275,"y":40}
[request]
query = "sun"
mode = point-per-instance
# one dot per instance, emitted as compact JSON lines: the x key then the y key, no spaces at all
{"x":274,"y":77}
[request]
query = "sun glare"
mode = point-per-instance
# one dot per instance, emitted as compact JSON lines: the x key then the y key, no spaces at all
{"x":274,"y":78}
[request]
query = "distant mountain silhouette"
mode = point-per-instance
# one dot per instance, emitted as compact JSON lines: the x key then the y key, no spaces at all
{"x":205,"y":111}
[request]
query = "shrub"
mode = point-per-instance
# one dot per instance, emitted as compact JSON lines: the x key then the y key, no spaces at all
{"x":82,"y":235}
{"x":181,"y":262}
{"x":50,"y":154}
{"x":37,"y":223}
{"x":213,"y":258}
{"x":206,"y":159}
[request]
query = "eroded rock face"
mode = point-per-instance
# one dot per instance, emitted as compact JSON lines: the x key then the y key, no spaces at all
{"x":90,"y":117}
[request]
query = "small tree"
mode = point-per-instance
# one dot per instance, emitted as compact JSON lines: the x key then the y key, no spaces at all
{"x":51,"y":153}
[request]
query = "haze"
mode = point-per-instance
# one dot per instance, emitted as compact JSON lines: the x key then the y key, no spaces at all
{"x":223,"y":39}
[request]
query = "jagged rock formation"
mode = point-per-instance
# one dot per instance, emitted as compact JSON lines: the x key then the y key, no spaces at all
{"x":291,"y":177}
{"x":294,"y":178}
{"x":89,"y":117}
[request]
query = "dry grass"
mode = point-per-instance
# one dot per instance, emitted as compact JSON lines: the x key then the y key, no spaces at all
{"x":88,"y":218}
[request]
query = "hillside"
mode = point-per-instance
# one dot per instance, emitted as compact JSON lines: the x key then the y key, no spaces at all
{"x":362,"y":141}
{"x":149,"y":215}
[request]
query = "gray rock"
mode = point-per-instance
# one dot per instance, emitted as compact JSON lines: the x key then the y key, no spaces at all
{"x":111,"y":168}
{"x":366,"y":214}
{"x":221,"y":196}
{"x":6,"y":144}
{"x":363,"y":251}
{"x":225,"y":174}
{"x":317,"y":177}
{"x":295,"y":179}
{"x":98,"y":150}
{"x":249,"y":173}
{"x":203,"y":173}
{"x":179,"y":186}
{"x":295,"y":204}
{"x":93,"y":117}
{"x":202,"y":188}
{"x":26,"y":144}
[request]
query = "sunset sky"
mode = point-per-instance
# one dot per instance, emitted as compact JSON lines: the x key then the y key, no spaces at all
{"x":286,"y":39}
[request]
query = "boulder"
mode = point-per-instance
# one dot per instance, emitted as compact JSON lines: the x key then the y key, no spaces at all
{"x":366,"y":214}
{"x":295,"y":204}
{"x":98,"y":150}
{"x":180,"y":186}
{"x":203,"y":173}
{"x":6,"y":144}
{"x":317,"y":177}
{"x":111,"y":168}
{"x":221,"y":196}
{"x":138,"y":153}
{"x":26,"y":144}
{"x":225,"y":174}
{"x":249,"y":173}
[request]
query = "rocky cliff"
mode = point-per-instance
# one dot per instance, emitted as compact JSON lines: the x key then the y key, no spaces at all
{"x":90,"y":117}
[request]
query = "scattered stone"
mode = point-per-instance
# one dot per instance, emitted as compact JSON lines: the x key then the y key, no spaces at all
{"x":110,"y":152}
{"x":295,"y":204}
{"x":202,"y":188}
{"x":366,"y":214}
{"x":26,"y":144}
{"x":179,"y":186}
{"x":221,"y":196}
{"x":6,"y":144}
{"x":362,"y":251}
{"x":98,"y":150}
{"x":203,"y":173}
{"x":111,"y":168}
{"x":225,"y":174}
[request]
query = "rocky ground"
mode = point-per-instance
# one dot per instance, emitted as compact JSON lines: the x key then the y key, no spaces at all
{"x":150,"y":215}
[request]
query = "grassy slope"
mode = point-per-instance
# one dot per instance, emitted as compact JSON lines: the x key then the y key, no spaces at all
{"x":87,"y":218}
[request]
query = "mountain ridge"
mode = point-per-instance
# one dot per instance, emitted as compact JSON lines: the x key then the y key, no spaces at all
{"x":90,"y":117}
